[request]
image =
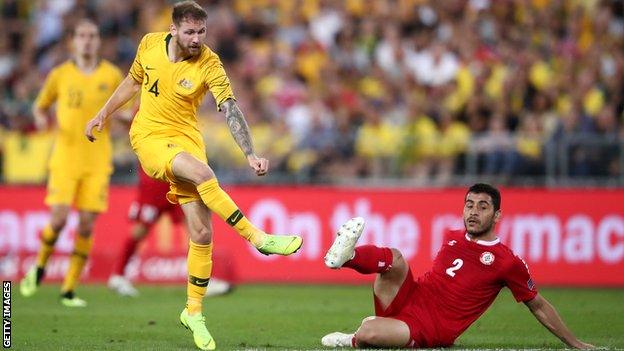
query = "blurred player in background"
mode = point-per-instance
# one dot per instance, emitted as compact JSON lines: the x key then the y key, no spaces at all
{"x":79,"y":170}
{"x":467,"y":274}
{"x":150,"y":205}
{"x":174,"y":71}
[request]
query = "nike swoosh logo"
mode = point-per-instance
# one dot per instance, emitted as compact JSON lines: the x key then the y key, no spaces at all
{"x":149,"y":68}
{"x":234,"y":218}
{"x":201,"y":282}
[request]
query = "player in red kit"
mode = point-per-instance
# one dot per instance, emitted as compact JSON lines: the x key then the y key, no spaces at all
{"x":151,"y":203}
{"x":433,"y":310}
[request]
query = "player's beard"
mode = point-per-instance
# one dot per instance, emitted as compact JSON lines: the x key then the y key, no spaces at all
{"x":487,"y":226}
{"x":188,"y":50}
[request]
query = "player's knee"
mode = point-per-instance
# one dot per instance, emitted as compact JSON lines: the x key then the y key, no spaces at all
{"x":58,"y":224}
{"x":85,"y":229}
{"x":368,"y":335}
{"x":201,"y":235}
{"x":58,"y":217}
{"x":85,"y":226}
{"x":202,"y":174}
{"x":369,"y":318}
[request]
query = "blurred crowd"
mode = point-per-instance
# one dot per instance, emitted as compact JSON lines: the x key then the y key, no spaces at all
{"x":345,"y":89}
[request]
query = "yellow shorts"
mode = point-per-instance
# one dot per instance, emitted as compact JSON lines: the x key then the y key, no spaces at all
{"x":156,"y":153}
{"x":88,"y":192}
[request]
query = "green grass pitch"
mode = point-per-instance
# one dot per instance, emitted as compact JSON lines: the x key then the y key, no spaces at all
{"x":278,"y":317}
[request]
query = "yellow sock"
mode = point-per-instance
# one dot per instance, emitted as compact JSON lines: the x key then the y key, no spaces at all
{"x":219,"y":202}
{"x":77,"y":261}
{"x":48,"y":239}
{"x":199,"y":261}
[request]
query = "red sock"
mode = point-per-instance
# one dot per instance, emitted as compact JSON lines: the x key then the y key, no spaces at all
{"x":370,"y":259}
{"x":128,"y":250}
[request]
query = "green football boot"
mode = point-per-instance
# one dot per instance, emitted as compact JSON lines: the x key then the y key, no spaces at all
{"x":280,"y":244}
{"x":29,"y":284}
{"x":69,"y":300}
{"x":197,"y":325}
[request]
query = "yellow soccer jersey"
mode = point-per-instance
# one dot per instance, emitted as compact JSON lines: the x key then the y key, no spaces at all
{"x":172,"y":92}
{"x":79,"y":96}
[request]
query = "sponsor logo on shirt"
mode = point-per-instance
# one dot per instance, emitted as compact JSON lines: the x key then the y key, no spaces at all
{"x":487,"y":258}
{"x":452,"y":242}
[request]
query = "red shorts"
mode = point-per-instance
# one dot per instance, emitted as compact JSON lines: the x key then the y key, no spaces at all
{"x":409,"y":306}
{"x":152,"y":202}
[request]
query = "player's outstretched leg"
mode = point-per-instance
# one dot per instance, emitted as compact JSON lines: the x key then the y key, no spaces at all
{"x":220,"y":202}
{"x":391,"y":269}
{"x":365,"y":259}
{"x":187,"y":167}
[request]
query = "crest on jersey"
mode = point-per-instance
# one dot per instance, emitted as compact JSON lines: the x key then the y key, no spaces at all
{"x":185,"y":83}
{"x":487,"y":258}
{"x":103,"y":87}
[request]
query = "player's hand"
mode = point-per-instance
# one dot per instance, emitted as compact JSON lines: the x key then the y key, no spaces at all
{"x":259,"y":164}
{"x":97,"y":122}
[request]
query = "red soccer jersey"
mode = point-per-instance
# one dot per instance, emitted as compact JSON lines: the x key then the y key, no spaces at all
{"x":465,"y":279}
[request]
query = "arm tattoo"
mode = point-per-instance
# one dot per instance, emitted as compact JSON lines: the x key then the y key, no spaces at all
{"x":238,"y":126}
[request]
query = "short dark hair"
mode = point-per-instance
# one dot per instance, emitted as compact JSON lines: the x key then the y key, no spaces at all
{"x":188,"y":10}
{"x":84,"y":20}
{"x":482,"y":188}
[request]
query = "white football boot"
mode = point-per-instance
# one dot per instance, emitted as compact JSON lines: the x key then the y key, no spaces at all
{"x":218,"y":287}
{"x":122,"y":286}
{"x":337,"y":339}
{"x":343,"y":247}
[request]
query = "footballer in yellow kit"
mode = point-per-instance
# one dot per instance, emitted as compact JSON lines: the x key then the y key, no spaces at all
{"x":166,"y":123}
{"x":79,"y":171}
{"x":77,"y":178}
{"x":174,"y":71}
